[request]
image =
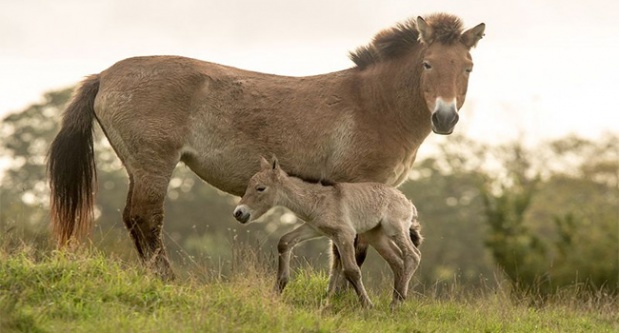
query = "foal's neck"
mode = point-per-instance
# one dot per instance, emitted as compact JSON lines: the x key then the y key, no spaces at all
{"x":303,"y":198}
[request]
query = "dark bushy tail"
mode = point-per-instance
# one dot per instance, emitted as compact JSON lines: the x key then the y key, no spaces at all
{"x":71,"y":166}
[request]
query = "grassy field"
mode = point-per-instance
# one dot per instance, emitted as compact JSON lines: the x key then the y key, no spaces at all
{"x":91,"y":292}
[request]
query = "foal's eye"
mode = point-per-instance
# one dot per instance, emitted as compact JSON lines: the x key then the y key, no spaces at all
{"x":260,"y":188}
{"x":427,"y":65}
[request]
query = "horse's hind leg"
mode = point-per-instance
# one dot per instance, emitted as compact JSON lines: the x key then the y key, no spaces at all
{"x":143,"y":217}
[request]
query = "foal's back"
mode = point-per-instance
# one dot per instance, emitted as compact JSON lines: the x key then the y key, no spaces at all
{"x":371,"y":203}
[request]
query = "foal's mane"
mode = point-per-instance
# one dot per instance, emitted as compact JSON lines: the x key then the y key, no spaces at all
{"x":322,"y":181}
{"x":394,"y":42}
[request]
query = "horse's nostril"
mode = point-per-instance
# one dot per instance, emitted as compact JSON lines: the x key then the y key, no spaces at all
{"x":455,"y":119}
{"x":435,"y":119}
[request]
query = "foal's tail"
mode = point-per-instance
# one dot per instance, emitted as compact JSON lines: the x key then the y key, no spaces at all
{"x":71,"y":166}
{"x":415,"y":230}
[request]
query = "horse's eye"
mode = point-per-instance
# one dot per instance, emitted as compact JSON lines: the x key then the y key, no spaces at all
{"x":427,"y":65}
{"x":260,"y":188}
{"x":468,"y":70}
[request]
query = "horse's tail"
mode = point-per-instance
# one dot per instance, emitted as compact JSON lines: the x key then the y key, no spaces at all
{"x":71,"y":166}
{"x":415,"y":229}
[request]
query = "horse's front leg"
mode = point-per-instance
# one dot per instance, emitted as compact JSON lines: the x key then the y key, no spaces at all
{"x":284,"y":248}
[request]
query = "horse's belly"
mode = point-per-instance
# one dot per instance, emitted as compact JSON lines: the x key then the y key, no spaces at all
{"x":220,"y":166}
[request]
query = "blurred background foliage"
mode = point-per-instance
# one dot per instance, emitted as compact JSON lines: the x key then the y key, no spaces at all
{"x":541,"y":218}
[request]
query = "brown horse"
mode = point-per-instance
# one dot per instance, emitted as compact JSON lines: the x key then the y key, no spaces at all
{"x":361,"y":124}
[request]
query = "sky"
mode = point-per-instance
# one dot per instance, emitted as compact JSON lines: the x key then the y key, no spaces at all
{"x":545,"y":69}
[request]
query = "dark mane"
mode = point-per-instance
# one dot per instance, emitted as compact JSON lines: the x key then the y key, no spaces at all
{"x":323,"y":182}
{"x":394,"y":42}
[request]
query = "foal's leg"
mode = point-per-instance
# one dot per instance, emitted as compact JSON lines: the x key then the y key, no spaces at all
{"x":344,"y":241}
{"x":143,"y":217}
{"x":389,"y":251}
{"x":411,"y":257}
{"x":337,"y":282}
{"x":284,"y":248}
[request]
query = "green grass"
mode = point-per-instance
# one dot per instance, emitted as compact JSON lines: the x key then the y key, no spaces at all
{"x":91,"y":292}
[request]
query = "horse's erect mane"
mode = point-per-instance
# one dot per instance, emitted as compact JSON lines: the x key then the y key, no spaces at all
{"x":393,"y":42}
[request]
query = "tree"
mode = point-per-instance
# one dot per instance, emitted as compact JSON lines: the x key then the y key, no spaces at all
{"x":554,"y":216}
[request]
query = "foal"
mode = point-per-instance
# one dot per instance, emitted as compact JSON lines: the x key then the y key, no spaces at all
{"x":382,"y":214}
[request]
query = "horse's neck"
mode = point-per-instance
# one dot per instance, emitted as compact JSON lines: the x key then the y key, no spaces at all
{"x":301,"y":197}
{"x":393,"y":95}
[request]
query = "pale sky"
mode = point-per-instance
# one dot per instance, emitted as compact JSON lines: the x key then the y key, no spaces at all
{"x":546,"y":68}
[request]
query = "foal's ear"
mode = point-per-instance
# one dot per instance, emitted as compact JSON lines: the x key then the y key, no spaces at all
{"x":473,"y":35}
{"x":264,"y":164}
{"x":274,"y":163}
{"x":425,"y":31}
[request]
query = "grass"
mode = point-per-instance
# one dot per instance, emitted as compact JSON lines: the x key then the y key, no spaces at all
{"x":92,"y":292}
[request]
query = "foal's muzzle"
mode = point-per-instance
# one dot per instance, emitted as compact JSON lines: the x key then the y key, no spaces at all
{"x":445,"y":117}
{"x":241,"y":214}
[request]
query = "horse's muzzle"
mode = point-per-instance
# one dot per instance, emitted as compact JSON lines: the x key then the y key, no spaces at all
{"x":241,"y":214}
{"x":444,"y":120}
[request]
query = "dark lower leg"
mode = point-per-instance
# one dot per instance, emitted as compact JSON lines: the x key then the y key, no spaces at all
{"x":146,"y":232}
{"x":143,"y":217}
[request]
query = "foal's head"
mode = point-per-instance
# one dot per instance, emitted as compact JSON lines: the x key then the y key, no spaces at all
{"x":446,"y":63}
{"x":261,"y":192}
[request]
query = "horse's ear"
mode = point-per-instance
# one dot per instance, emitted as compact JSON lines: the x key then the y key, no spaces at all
{"x":473,"y":35}
{"x":264,"y":164}
{"x":425,"y":31}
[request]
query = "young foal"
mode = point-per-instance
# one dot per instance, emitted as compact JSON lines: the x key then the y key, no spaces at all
{"x":382,"y":214}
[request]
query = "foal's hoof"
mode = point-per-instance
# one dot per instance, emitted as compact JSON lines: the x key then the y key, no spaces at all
{"x":367,"y":304}
{"x":277,"y":290}
{"x":341,"y":287}
{"x":166,"y":275}
{"x":279,"y":286}
{"x":395,"y":305}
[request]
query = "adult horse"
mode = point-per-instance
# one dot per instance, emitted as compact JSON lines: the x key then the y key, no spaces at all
{"x":361,"y":124}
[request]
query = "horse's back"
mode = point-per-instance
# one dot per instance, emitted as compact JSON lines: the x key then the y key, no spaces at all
{"x":213,"y":117}
{"x":157,"y":87}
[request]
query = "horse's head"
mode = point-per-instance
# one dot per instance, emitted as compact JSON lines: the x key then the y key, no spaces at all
{"x":261,"y":192}
{"x":446,"y":65}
